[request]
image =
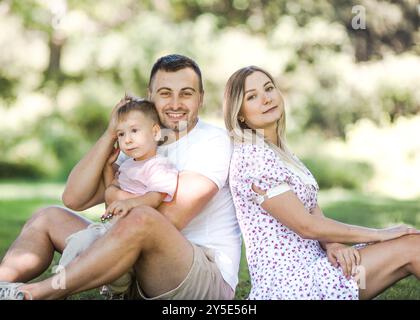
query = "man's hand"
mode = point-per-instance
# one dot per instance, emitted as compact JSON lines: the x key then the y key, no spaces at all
{"x":113,"y":156}
{"x":110,"y":170}
{"x":347,"y":257}
{"x":118,"y":208}
{"x":113,"y":121}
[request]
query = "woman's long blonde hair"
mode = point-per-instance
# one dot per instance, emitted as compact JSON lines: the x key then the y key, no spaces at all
{"x":239,"y":131}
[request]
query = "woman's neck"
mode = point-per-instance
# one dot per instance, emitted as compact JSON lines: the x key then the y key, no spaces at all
{"x":270,"y":134}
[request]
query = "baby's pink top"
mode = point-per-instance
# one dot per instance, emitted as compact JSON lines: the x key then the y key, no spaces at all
{"x":154,"y":174}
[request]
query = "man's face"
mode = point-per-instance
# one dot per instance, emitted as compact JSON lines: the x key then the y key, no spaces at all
{"x":177,"y":98}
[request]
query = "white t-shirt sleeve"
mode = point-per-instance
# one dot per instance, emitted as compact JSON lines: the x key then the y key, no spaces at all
{"x":211,"y":158}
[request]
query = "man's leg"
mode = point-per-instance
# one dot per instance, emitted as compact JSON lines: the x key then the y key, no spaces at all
{"x":145,"y":238}
{"x":32,"y":252}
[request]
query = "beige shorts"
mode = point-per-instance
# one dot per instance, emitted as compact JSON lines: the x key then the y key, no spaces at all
{"x":203,"y":282}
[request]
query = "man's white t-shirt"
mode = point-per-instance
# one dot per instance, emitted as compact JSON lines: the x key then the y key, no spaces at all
{"x":207,"y":150}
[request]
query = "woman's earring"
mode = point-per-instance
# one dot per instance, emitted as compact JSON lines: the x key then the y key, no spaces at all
{"x":241,"y":119}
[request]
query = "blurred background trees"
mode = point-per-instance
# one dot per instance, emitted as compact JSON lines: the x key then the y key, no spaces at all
{"x":353,"y":94}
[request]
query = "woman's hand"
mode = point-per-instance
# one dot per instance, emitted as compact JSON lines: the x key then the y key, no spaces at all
{"x":396,"y":232}
{"x":347,"y":257}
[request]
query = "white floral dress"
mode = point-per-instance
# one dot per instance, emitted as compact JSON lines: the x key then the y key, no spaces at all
{"x":282,"y":265}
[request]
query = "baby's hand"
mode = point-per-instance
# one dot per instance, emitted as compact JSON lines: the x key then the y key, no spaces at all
{"x":117,"y":208}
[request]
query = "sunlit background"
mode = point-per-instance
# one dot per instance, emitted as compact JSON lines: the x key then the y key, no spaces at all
{"x":353,"y":94}
{"x":350,"y":72}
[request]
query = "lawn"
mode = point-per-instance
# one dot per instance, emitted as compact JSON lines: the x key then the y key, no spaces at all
{"x":19,"y":200}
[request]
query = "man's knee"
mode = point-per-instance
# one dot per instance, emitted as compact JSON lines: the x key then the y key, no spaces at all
{"x":43,"y":217}
{"x":139,"y":223}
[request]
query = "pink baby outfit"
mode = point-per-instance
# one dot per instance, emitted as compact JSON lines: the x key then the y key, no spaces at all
{"x":154,"y":174}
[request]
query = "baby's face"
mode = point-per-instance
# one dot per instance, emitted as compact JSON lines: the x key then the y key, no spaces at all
{"x":137,"y":135}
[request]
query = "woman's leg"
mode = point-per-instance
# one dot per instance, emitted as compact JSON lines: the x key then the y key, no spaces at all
{"x":385,"y":263}
{"x":32,"y":252}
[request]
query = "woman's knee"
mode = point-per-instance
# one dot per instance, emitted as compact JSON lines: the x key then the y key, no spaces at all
{"x":411,"y":246}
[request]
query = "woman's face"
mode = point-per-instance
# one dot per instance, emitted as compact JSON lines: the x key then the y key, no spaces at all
{"x":263,"y":104}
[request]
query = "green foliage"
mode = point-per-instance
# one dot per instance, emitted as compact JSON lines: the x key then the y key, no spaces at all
{"x":333,"y":172}
{"x":91,"y":119}
{"x":63,"y":143}
{"x":82,"y":59}
{"x":30,"y":171}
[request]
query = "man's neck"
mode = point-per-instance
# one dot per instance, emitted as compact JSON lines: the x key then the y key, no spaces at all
{"x":175,"y":135}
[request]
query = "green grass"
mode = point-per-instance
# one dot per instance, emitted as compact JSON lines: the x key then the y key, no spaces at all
{"x":17,"y":205}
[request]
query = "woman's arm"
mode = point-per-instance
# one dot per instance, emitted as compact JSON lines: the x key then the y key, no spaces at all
{"x":339,"y":254}
{"x":318,"y":212}
{"x":289,"y":210}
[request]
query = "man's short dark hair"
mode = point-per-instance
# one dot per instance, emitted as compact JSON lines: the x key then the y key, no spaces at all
{"x":175,"y":62}
{"x":133,"y":103}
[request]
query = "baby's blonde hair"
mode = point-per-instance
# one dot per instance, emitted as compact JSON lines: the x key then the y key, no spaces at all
{"x":133,"y":103}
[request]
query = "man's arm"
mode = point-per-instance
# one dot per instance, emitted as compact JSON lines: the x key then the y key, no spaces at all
{"x":193,"y":193}
{"x":85,"y":186}
{"x":123,"y":207}
{"x":204,"y":174}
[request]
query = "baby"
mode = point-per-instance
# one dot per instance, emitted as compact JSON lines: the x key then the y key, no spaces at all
{"x":145,"y":172}
{"x":146,"y":177}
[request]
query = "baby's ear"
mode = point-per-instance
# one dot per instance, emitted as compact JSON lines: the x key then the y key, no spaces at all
{"x":157,"y":133}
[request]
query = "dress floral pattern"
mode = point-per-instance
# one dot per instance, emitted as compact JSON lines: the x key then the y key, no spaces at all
{"x":282,"y":265}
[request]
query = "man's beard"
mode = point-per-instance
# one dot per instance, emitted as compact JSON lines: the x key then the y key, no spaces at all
{"x":173,"y":131}
{"x":177,"y":126}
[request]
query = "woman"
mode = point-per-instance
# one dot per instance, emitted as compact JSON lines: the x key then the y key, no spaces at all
{"x":293,"y":251}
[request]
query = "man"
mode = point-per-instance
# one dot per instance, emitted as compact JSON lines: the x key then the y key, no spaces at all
{"x":188,"y":249}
